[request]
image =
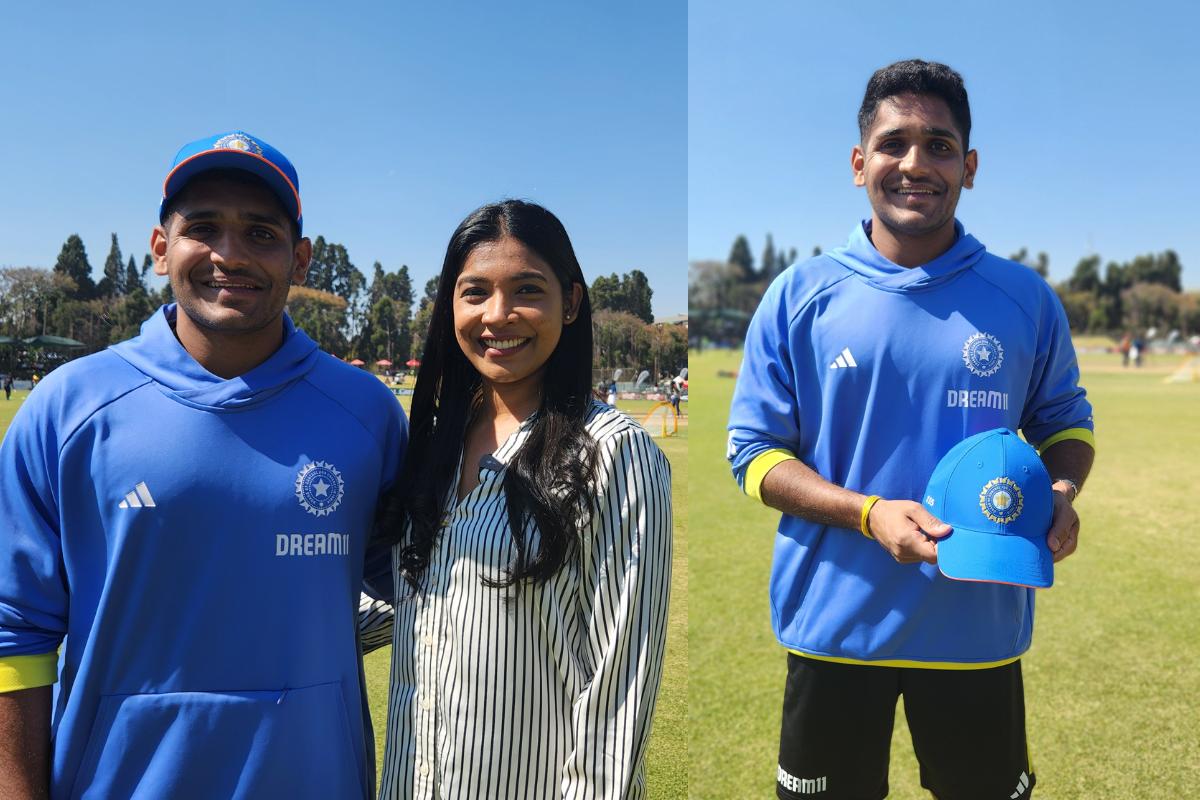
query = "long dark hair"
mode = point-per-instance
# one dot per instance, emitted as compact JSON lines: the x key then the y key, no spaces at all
{"x":551,"y":479}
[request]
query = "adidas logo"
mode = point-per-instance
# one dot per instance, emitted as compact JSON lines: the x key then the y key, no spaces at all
{"x":1022,"y":785}
{"x":844,"y":360}
{"x":140,"y":497}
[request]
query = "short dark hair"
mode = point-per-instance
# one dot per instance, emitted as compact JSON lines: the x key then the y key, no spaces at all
{"x":921,"y":78}
{"x":239,"y":175}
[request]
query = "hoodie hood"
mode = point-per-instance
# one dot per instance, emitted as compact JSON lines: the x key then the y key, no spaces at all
{"x":158,"y":355}
{"x":860,"y":255}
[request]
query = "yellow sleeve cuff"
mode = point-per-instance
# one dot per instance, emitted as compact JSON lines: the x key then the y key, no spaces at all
{"x":28,"y":672}
{"x":760,"y":466}
{"x":1080,"y":434}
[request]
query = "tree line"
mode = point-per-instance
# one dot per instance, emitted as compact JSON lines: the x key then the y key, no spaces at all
{"x":1099,"y":298}
{"x":346,"y":314}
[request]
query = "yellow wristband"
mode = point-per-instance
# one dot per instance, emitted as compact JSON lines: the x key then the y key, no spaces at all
{"x":866,"y":512}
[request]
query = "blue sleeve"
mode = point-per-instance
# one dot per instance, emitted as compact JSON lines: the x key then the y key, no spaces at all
{"x":33,"y":586}
{"x":378,"y":580}
{"x":377,"y":569}
{"x":395,"y":445}
{"x":765,"y":413}
{"x":1056,"y":402}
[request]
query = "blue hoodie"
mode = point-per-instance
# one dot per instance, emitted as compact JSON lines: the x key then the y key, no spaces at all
{"x":869,"y":373}
{"x":195,"y":545}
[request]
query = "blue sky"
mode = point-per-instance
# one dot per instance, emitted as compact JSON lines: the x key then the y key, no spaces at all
{"x":400,"y":117}
{"x":1086,"y":117}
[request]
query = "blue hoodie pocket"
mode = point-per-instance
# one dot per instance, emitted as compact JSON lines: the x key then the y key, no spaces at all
{"x":293,"y":743}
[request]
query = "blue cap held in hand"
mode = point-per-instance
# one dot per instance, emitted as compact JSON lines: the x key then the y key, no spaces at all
{"x":236,"y":150}
{"x":993,"y":489}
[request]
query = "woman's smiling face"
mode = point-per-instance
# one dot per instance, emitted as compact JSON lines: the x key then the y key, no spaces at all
{"x":509,"y":311}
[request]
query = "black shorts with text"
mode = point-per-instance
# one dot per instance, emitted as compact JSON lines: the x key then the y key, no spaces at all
{"x":967,"y":727}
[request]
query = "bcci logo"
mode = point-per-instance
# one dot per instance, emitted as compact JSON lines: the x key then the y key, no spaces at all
{"x":319,"y":488}
{"x":1001,"y":500}
{"x":983,"y":354}
{"x":238,"y":141}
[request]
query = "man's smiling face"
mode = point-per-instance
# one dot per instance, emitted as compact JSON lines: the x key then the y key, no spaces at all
{"x":229,"y":251}
{"x":913,"y":166}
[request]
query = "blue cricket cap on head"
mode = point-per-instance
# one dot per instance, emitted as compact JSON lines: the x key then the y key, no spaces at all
{"x":993,"y":489}
{"x":236,"y":150}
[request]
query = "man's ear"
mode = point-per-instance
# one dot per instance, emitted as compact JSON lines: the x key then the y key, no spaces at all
{"x":970,"y":164}
{"x":301,"y":258}
{"x":158,"y":249}
{"x":858,"y":161}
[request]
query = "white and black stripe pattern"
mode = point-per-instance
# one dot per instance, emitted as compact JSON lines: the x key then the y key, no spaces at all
{"x":547,"y":692}
{"x":374,"y":623}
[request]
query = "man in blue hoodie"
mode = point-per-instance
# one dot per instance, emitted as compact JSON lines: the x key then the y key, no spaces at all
{"x":863,"y":367}
{"x":183,"y":522}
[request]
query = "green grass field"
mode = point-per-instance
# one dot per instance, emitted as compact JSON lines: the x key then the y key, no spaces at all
{"x":667,"y":766}
{"x":1112,"y":683}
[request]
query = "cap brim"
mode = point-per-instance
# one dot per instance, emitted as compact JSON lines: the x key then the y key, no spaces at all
{"x":233,"y":159}
{"x":967,"y":555}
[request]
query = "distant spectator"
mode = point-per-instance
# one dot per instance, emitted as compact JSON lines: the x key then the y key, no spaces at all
{"x":1136,"y":350}
{"x":1126,"y":344}
{"x":612,"y":394}
{"x":8,"y":386}
{"x":674,"y":398}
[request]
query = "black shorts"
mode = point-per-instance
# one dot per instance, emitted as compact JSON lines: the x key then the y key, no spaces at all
{"x":968,"y":731}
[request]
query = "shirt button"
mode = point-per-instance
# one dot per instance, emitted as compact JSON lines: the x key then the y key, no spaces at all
{"x":424,"y":768}
{"x":445,"y":520}
{"x":427,"y":640}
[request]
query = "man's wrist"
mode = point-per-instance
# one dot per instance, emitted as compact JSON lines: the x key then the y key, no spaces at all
{"x":864,"y":524}
{"x":1066,"y":485}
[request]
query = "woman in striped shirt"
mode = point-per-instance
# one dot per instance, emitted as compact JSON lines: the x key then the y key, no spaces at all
{"x":533,"y":540}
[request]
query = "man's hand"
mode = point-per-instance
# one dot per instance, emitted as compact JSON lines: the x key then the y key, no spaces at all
{"x":1069,"y":461}
{"x":903,"y":528}
{"x":1064,"y":527}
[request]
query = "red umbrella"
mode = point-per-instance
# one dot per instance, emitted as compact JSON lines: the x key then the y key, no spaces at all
{"x":412,"y":362}
{"x":383,"y":362}
{"x":358,"y":362}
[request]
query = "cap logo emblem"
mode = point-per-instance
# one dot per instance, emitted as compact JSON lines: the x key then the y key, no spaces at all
{"x":319,"y":488}
{"x":238,"y":141}
{"x":983,"y":354}
{"x":1001,"y":500}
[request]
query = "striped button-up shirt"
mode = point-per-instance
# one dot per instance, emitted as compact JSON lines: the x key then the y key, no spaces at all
{"x":545,"y":692}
